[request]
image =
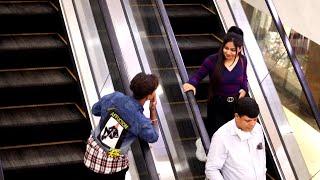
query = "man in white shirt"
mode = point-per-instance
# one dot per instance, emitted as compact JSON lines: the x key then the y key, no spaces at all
{"x":237,"y":149}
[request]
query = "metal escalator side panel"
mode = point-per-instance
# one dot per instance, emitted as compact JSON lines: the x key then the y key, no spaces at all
{"x":80,"y":56}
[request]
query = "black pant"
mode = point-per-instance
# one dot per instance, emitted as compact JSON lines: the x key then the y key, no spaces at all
{"x":219,"y":112}
{"x":121,"y":175}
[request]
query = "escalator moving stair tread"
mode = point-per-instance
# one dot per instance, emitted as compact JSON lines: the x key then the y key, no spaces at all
{"x":42,"y":156}
{"x":187,"y":11}
{"x":183,"y":117}
{"x":40,"y":115}
{"x":33,"y":78}
{"x":183,"y":1}
{"x":192,"y":70}
{"x":26,"y":8}
{"x":30,"y":42}
{"x":34,"y":71}
{"x":197,"y":42}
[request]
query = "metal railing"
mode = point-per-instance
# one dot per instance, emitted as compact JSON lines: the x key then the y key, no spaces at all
{"x":184,"y":76}
{"x":1,"y":171}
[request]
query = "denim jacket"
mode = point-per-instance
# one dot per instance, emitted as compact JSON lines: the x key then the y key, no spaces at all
{"x":131,"y":111}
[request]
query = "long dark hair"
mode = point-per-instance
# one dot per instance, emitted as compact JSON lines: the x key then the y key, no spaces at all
{"x":217,"y":72}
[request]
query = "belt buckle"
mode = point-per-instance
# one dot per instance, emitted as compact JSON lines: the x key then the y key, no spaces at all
{"x":230,"y":99}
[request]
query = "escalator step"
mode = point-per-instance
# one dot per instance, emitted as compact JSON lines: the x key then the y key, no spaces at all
{"x":44,"y":155}
{"x":37,"y":86}
{"x":195,"y":49}
{"x":42,"y":124}
{"x":171,"y":86}
{"x":187,"y":11}
{"x":50,"y":161}
{"x":29,"y":16}
{"x":32,"y":50}
{"x":192,"y":19}
{"x":189,"y":42}
{"x":183,"y":1}
{"x":203,"y":86}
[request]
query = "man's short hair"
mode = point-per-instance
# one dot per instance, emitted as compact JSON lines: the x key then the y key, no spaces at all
{"x":247,"y":106}
{"x":143,"y":84}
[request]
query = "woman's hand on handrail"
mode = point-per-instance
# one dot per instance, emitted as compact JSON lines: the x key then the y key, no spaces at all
{"x":188,"y":87}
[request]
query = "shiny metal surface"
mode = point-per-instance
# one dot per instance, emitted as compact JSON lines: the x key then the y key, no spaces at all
{"x":80,"y":56}
{"x":94,"y":48}
{"x":128,"y":58}
{"x":96,"y":59}
{"x":158,"y":149}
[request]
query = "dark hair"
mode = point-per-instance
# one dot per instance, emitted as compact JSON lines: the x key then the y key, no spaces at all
{"x":143,"y":84}
{"x":247,"y":106}
{"x":236,"y":30}
{"x":217,"y":72}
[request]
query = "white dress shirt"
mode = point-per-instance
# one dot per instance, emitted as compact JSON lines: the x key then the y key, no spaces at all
{"x":236,"y":155}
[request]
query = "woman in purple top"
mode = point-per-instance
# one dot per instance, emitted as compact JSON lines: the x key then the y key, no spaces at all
{"x":228,"y":81}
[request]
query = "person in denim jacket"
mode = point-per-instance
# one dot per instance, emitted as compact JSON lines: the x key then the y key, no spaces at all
{"x":122,"y":122}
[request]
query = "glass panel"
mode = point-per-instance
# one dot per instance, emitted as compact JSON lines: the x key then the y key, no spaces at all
{"x":181,"y":132}
{"x":106,"y":45}
{"x":308,"y":54}
{"x":295,"y":104}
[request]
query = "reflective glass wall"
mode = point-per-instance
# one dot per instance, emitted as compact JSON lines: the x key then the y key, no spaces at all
{"x":295,"y":104}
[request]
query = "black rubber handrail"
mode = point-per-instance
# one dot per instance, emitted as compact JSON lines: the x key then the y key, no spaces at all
{"x":1,"y":171}
{"x":184,"y":75}
{"x":294,"y":61}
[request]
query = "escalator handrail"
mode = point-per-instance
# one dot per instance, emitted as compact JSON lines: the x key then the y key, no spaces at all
{"x":184,"y":75}
{"x":1,"y":171}
{"x":294,"y":61}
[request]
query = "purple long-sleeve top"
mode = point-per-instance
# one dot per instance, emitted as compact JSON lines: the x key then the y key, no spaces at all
{"x":231,"y":81}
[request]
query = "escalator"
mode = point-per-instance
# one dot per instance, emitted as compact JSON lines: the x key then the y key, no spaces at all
{"x":42,"y":109}
{"x":43,"y":118}
{"x":178,"y":128}
{"x":180,"y":133}
{"x":199,"y":33}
